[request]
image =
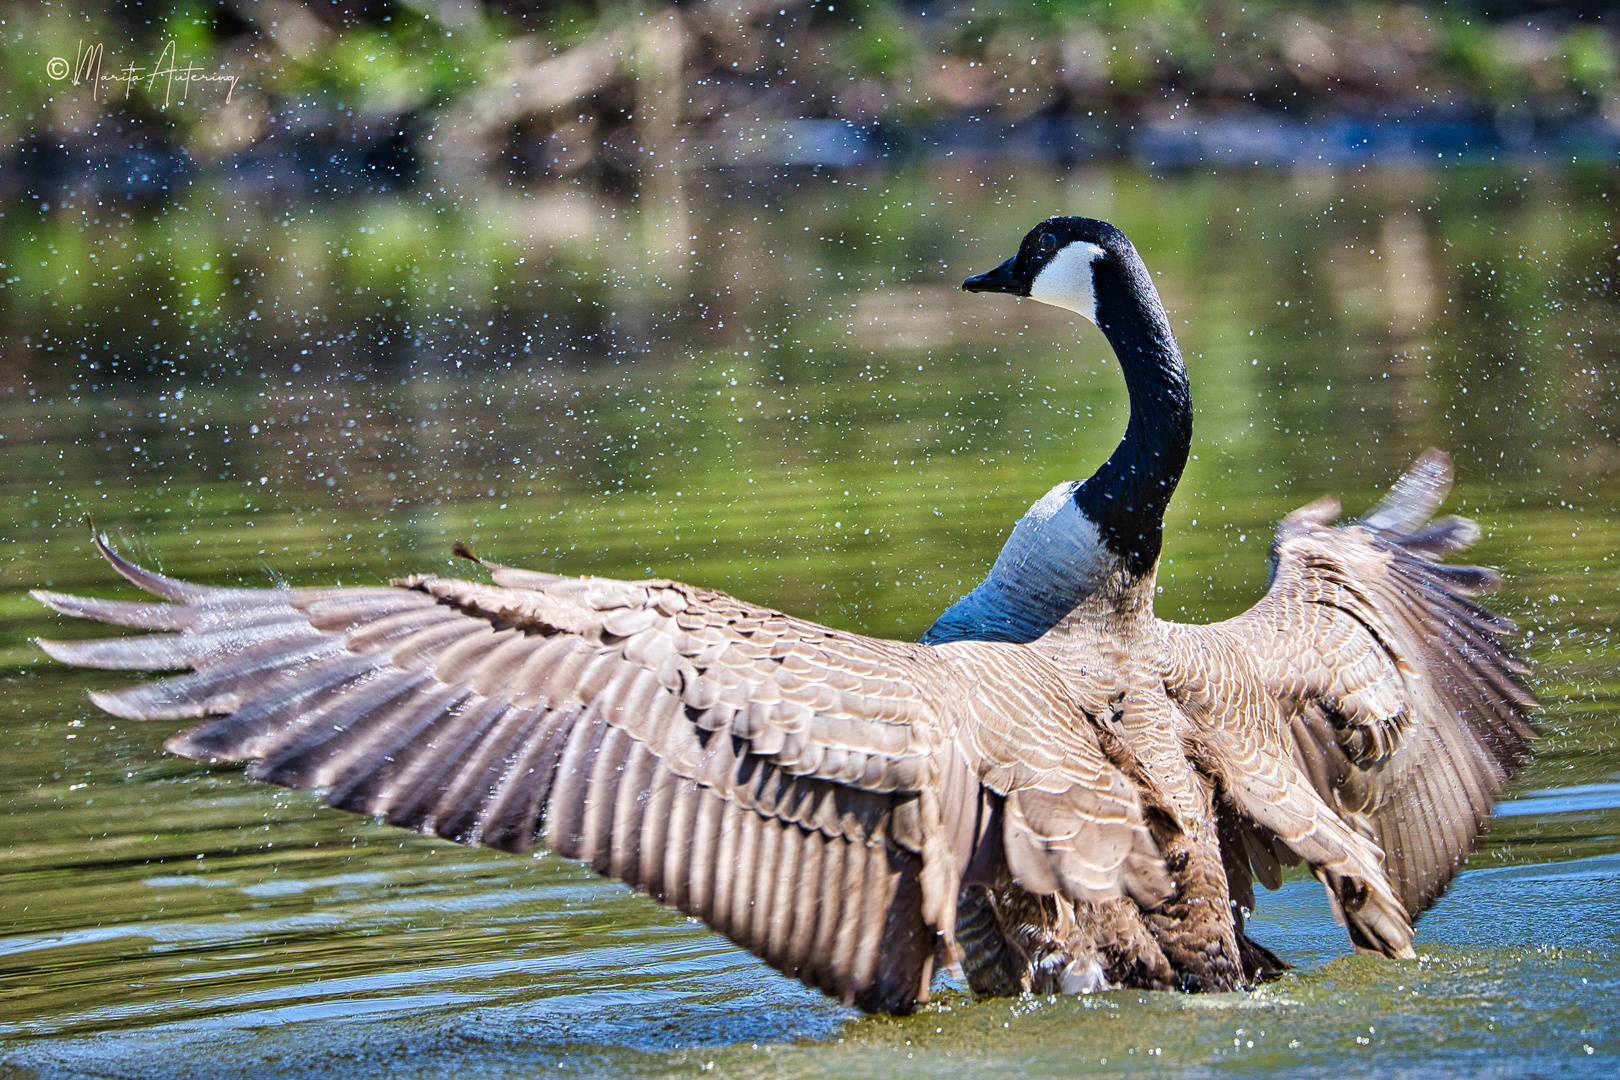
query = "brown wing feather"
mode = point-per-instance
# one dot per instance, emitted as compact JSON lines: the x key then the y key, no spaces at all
{"x":815,"y":796}
{"x":1405,"y":707}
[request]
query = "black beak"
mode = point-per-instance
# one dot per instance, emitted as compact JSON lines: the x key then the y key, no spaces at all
{"x":1000,"y":279}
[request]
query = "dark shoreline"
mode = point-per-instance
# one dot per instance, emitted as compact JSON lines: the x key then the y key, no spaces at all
{"x":344,"y":159}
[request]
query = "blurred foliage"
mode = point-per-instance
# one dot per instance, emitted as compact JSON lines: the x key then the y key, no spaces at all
{"x":339,"y":65}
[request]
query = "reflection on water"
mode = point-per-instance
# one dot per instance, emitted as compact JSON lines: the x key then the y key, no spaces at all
{"x":771,"y":386}
{"x":1567,"y":800}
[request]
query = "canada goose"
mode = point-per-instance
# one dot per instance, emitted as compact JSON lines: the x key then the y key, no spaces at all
{"x":1055,"y":788}
{"x":1362,"y":717}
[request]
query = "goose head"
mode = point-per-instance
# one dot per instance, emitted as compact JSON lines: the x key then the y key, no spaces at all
{"x":1090,"y":268}
{"x":1079,"y":264}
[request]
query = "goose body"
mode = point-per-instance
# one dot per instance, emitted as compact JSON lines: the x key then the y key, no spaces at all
{"x":1055,"y":787}
{"x":1309,"y":729}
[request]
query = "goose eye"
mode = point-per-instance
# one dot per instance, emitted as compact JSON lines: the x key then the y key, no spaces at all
{"x":1048,"y":242}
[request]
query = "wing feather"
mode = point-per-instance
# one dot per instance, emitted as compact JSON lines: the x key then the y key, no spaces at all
{"x":1400,"y":699}
{"x":367,"y":778}
{"x":457,"y":811}
{"x":779,"y":908}
{"x":780,"y":780}
{"x":349,"y":728}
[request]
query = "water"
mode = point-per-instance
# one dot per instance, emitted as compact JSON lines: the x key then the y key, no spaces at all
{"x":766,"y":383}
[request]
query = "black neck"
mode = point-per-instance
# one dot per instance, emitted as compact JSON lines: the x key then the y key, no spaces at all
{"x":1126,"y":498}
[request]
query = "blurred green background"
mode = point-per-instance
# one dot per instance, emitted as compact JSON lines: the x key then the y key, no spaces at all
{"x":377,"y":93}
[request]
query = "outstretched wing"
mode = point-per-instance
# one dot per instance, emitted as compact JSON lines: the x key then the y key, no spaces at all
{"x":818,"y":797}
{"x":1404,"y":707}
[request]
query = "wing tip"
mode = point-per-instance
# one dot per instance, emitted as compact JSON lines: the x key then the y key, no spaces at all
{"x":1320,"y":511}
{"x":1415,"y":495}
{"x":131,"y":613}
{"x":1465,"y":531}
{"x":1434,"y":458}
{"x":113,"y":703}
{"x":191,"y":744}
{"x":52,"y":600}
{"x":144,"y":579}
{"x":56,"y":650}
{"x":115,"y":654}
{"x":508,"y":576}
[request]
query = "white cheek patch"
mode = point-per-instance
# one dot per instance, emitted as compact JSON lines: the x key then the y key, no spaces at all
{"x":1065,"y":282}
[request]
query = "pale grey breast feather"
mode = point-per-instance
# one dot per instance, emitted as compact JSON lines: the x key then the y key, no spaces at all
{"x":1054,"y":558}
